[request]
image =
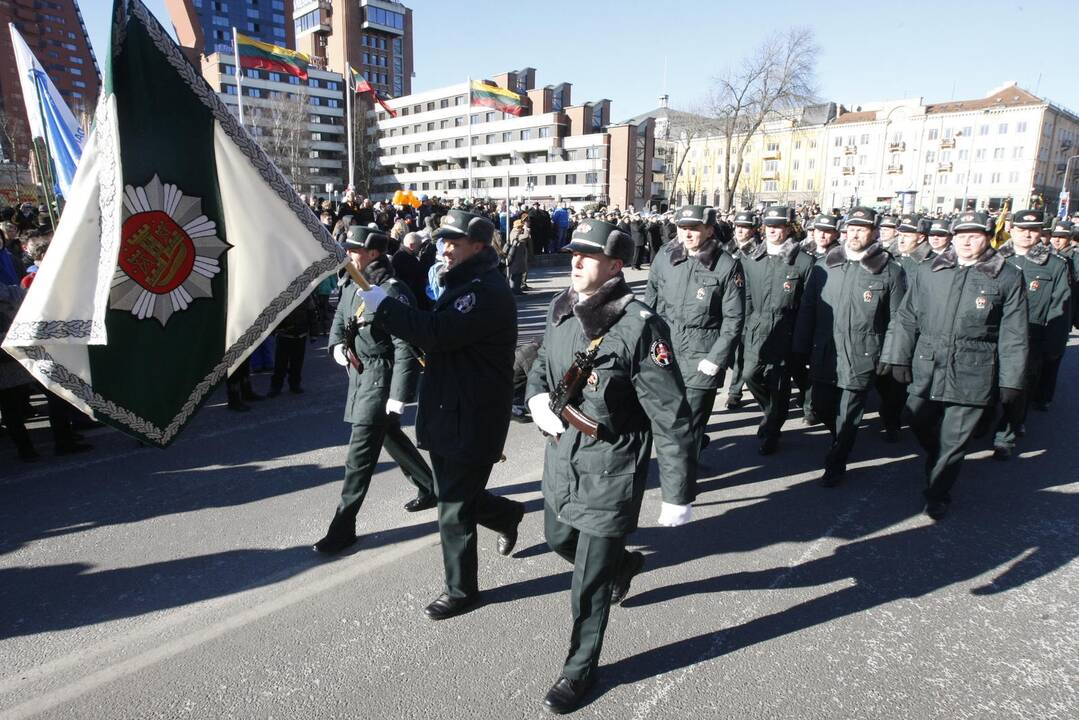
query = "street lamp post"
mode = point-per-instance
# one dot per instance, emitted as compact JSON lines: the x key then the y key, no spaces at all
{"x":1064,"y":184}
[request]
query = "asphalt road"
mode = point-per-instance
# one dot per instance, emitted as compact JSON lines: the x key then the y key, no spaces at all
{"x":139,"y":583}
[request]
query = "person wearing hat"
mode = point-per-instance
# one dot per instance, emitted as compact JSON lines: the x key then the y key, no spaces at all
{"x":638,"y":231}
{"x":959,"y":341}
{"x":699,"y":291}
{"x":776,"y":273}
{"x":1061,"y":246}
{"x":851,"y":297}
{"x":940,"y":235}
{"x":888,"y":229}
{"x":912,"y":248}
{"x":823,"y":236}
{"x":1047,"y":278}
{"x":593,"y":487}
{"x":378,"y":389}
{"x":746,"y":238}
{"x":465,"y":396}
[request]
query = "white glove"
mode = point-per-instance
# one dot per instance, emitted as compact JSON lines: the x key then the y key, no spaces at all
{"x":674,"y":515}
{"x":708,"y":368}
{"x":395,"y":407}
{"x":547,"y":421}
{"x":339,"y":355}
{"x":372,"y":299}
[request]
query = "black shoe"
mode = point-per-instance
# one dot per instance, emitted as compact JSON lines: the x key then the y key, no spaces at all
{"x":625,"y":576}
{"x":810,"y":418}
{"x":1001,"y":453}
{"x":73,"y":448}
{"x":566,"y":695}
{"x":762,"y":430}
{"x":936,"y":509}
{"x":274,"y":392}
{"x":768,"y":446}
{"x":421,"y":502}
{"x":1021,"y":430}
{"x":891,"y":435}
{"x":238,"y":406}
{"x":445,"y":607}
{"x":705,"y":441}
{"x":519,"y":413}
{"x":334,"y":543}
{"x":831,"y":477}
{"x":507,"y":540}
{"x":734,"y":402}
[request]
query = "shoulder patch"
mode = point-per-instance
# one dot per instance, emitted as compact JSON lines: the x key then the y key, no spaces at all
{"x":465,"y":304}
{"x":660,"y":353}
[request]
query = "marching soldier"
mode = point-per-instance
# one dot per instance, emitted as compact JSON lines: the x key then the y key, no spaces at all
{"x":466,"y":393}
{"x":959,"y":340}
{"x":889,"y":229}
{"x":940,"y":235}
{"x":776,"y":274}
{"x":912,"y":242}
{"x":629,"y":387}
{"x":851,"y":297}
{"x":823,"y":236}
{"x":382,"y":375}
{"x":746,"y":238}
{"x":1063,"y":232}
{"x":1048,"y":288}
{"x":699,"y":291}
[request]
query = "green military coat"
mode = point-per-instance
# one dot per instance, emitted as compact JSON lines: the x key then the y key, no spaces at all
{"x":1048,"y":283}
{"x":774,"y":285}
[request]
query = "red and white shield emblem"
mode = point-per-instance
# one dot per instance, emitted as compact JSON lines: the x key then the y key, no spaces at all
{"x":867,"y":296}
{"x":661,"y":353}
{"x":788,"y":286}
{"x":1034,"y":285}
{"x":593,"y":380}
{"x":982,"y":302}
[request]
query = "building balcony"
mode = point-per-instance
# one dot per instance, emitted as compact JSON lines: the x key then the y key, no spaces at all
{"x":895,"y":169}
{"x":659,"y":165}
{"x":848,"y":170}
{"x":771,"y":155}
{"x":947,"y":143}
{"x":944,"y":167}
{"x":897,"y":147}
{"x":850,"y":150}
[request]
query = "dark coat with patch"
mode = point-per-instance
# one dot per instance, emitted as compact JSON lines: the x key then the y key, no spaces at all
{"x":916,"y":260}
{"x":469,"y":337}
{"x":844,"y":316}
{"x":1048,"y":282}
{"x":774,"y":285}
{"x":962,"y":330}
{"x":635,"y":393}
{"x":390,"y":366}
{"x":702,"y":299}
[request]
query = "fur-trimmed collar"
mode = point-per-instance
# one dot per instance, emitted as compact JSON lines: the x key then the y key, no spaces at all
{"x":378,"y":270}
{"x":1038,"y":254}
{"x":788,"y":251}
{"x":482,"y":262}
{"x":922,"y":252}
{"x":990,"y":263}
{"x":598,"y":312}
{"x":747,"y":248}
{"x":707,"y":255}
{"x":874,"y":260}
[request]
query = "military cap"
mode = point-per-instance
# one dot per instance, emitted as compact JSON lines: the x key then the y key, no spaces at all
{"x":974,"y":222}
{"x":826,"y":222}
{"x":746,"y":219}
{"x":1063,"y":228}
{"x":940,"y":226}
{"x":862,"y":217}
{"x":599,"y":237}
{"x":366,"y":237}
{"x":1029,"y":219}
{"x":889,"y":221}
{"x":695,"y":215}
{"x":779,"y":215}
{"x":914,"y":223}
{"x":461,"y":223}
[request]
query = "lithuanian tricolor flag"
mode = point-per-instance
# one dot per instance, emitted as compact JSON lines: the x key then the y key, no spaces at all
{"x":264,"y":56}
{"x":362,"y":87}
{"x":496,"y":98}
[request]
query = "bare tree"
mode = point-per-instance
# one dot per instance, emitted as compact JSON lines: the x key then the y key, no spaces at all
{"x":364,"y":146}
{"x":12,"y":128}
{"x":280,"y":126}
{"x":778,"y":77}
{"x":676,"y":137}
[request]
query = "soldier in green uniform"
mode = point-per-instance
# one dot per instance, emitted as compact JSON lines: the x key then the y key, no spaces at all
{"x":1060,"y":240}
{"x":940,"y":235}
{"x":746,"y":238}
{"x":959,"y":340}
{"x":466,"y":392}
{"x":776,"y":274}
{"x":823,"y":236}
{"x":593,"y":486}
{"x":889,"y":230}
{"x":912,"y":242}
{"x":699,"y":291}
{"x":1047,"y":279}
{"x":848,"y":302}
{"x":378,"y":388}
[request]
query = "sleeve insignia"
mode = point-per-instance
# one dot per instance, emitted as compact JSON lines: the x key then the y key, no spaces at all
{"x":660,"y":354}
{"x":465,"y":304}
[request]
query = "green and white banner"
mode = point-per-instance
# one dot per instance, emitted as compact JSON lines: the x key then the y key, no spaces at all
{"x":180,"y":249}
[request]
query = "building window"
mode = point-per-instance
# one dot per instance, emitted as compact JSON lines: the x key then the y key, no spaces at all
{"x":794,"y":186}
{"x":526,"y":134}
{"x":798,"y":145}
{"x":571,"y":179}
{"x":507,"y":137}
{"x":838,"y":141}
{"x":836,"y":161}
{"x":979,"y":154}
{"x":545,"y":132}
{"x":771,"y":166}
{"x":773,"y":147}
{"x":1021,"y":127}
{"x":770,"y":186}
{"x":1017,"y":152}
{"x":550,"y":180}
{"x":591,"y":178}
{"x":927,"y":180}
{"x":809,"y":184}
{"x":998,"y":153}
{"x":933,"y":134}
{"x":515,"y":181}
{"x":930,"y":155}
{"x":1002,"y":129}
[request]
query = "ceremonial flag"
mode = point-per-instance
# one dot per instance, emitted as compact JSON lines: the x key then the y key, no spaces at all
{"x":264,"y":56}
{"x":999,"y":235}
{"x":49,"y":116}
{"x":362,"y":87}
{"x":181,"y":248}
{"x":496,"y":98}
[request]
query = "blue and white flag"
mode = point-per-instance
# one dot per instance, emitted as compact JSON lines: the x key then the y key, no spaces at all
{"x":48,"y":114}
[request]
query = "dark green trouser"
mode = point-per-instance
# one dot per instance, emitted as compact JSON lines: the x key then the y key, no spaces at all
{"x":943,"y":430}
{"x":771,"y":388}
{"x":701,"y":401}
{"x":1047,"y":385}
{"x":1015,"y":413}
{"x":893,"y":396}
{"x":841,"y":411}
{"x":738,"y":382}
{"x":463,"y":503}
{"x":595,"y":565}
{"x":363,"y":449}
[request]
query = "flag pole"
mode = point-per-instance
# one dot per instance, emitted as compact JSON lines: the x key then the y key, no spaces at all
{"x":469,"y":126}
{"x":349,"y":91}
{"x":239,"y":75}
{"x":48,"y":175}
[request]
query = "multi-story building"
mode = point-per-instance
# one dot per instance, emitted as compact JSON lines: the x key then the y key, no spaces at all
{"x":555,"y":150}
{"x":55,"y":32}
{"x":204,"y":27}
{"x":300,"y":125}
{"x":907,"y":154}
{"x":372,"y":36}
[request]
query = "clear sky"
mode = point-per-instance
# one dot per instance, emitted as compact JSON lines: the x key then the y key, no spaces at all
{"x":615,"y":49}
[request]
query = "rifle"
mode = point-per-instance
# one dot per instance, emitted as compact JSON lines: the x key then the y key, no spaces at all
{"x":569,"y":387}
{"x":352,"y":328}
